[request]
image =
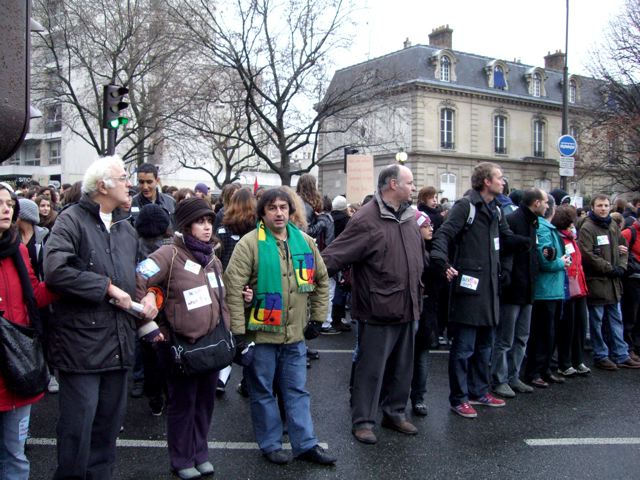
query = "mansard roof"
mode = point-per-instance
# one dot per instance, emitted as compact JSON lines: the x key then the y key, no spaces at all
{"x":415,"y":65}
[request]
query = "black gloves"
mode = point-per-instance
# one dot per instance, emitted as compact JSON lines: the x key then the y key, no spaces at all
{"x":549,"y":253}
{"x":312,"y":330}
{"x":617,"y":272}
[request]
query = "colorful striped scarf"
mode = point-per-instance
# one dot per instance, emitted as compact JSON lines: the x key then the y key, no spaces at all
{"x":267,"y":309}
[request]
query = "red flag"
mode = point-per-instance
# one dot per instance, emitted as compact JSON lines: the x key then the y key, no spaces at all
{"x":255,"y":186}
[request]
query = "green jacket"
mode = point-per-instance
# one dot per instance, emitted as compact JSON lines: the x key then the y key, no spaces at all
{"x":550,"y":281}
{"x":243,"y":270}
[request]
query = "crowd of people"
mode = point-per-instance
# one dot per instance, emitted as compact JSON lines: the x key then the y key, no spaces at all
{"x":514,"y":285}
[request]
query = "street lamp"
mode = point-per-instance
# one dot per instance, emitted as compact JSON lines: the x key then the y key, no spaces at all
{"x":401,"y":156}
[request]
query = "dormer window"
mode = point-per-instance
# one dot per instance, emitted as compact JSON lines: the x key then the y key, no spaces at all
{"x":535,"y":78}
{"x":445,"y":69}
{"x":444,"y":62}
{"x":497,"y":72}
{"x":573,"y":91}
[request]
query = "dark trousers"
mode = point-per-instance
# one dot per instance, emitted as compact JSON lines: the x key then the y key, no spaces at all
{"x":92,"y":408}
{"x":544,"y":316}
{"x":570,"y":333}
{"x":631,"y":313}
{"x":426,"y":327}
{"x":469,"y":362}
{"x":383,"y":371}
{"x":189,"y":414}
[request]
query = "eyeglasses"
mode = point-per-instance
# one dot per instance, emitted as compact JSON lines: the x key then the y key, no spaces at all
{"x":121,"y":178}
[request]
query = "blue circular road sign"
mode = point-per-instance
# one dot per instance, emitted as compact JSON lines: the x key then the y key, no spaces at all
{"x":567,"y":146}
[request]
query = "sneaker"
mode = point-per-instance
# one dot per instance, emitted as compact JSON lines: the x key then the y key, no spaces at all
{"x":629,"y":363}
{"x":569,"y":372}
{"x":634,"y":356}
{"x":220,"y":388}
{"x":504,"y":391}
{"x":53,"y":386}
{"x":520,"y":387}
{"x":488,"y":400}
{"x":539,"y":382}
{"x":242,"y":390}
{"x":157,"y":406}
{"x":606,"y":364}
{"x":329,"y":331}
{"x":465,"y":410}
{"x":582,"y":369}
{"x":343,"y":327}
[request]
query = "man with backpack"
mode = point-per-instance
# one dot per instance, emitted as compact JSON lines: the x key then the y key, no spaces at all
{"x":474,"y":232}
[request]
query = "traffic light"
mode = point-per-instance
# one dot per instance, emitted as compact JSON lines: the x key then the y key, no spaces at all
{"x":112,"y":104}
{"x":16,"y":26}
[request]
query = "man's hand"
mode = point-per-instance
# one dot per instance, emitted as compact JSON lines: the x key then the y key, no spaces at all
{"x":312,"y":330}
{"x":451,"y":273}
{"x":247,"y":294}
{"x":149,"y":307}
{"x":121,"y":298}
{"x":567,"y":260}
{"x":623,"y":249}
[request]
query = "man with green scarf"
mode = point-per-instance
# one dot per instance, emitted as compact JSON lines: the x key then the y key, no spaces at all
{"x":285,"y":270}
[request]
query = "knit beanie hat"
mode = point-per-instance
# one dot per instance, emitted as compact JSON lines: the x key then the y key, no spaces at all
{"x":28,"y":211}
{"x":339,"y":203}
{"x":202,"y":188}
{"x":422,"y":219}
{"x":190,"y":210}
{"x":560,"y":196}
{"x":152,"y":221}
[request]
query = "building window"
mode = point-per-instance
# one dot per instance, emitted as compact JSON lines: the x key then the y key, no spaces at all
{"x":538,"y":139}
{"x":500,"y":134}
{"x":53,"y":122}
{"x":572,"y":91}
{"x":537,"y":85}
{"x":448,"y":186}
{"x":445,"y":69}
{"x":446,"y":129}
{"x":15,"y":159}
{"x":499,"y":79}
{"x":54,"y":153}
{"x":33,"y":156}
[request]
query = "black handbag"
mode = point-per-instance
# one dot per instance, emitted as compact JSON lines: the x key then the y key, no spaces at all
{"x":211,"y":352}
{"x":23,"y":366}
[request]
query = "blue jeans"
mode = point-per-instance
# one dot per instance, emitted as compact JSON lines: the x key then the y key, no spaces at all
{"x":510,"y":343}
{"x":618,"y":349}
{"x":14,"y":426}
{"x":469,"y":359}
{"x":288,"y":364}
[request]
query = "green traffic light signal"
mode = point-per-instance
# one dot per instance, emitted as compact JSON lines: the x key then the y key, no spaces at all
{"x":117,"y":122}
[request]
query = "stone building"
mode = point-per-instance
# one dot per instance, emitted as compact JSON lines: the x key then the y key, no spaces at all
{"x":450,"y":110}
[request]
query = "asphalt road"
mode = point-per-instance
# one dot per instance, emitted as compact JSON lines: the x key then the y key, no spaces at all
{"x":596,"y":420}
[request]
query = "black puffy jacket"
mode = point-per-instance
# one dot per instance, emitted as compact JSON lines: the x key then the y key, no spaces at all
{"x":86,"y":333}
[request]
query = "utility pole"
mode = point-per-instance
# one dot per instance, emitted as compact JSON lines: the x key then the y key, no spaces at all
{"x":565,"y":90}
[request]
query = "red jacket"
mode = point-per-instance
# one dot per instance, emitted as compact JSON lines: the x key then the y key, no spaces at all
{"x":14,"y":308}
{"x":575,"y":271}
{"x":626,"y":233}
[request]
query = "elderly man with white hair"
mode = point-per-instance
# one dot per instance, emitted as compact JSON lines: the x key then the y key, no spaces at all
{"x":90,"y":261}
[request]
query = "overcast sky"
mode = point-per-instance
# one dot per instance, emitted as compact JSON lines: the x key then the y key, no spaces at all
{"x":503,"y":29}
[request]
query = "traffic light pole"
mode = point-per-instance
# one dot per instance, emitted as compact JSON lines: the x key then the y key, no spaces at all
{"x":111,"y":141}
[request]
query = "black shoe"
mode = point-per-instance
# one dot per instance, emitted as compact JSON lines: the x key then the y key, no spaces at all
{"x":420,"y":409}
{"x":317,"y":455}
{"x":551,"y":378}
{"x":279,"y":457}
{"x":242,"y":389}
{"x":157,"y":406}
{"x":220,"y":388}
{"x":342,"y":327}
{"x":137,"y":390}
{"x":312,"y":354}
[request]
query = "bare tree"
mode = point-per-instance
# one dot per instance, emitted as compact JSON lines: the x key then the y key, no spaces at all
{"x":280,"y":52}
{"x":613,"y":141}
{"x":90,"y":43}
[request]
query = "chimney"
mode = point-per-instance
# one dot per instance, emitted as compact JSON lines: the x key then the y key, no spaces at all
{"x":441,"y":37}
{"x":554,"y":61}
{"x":407,"y":43}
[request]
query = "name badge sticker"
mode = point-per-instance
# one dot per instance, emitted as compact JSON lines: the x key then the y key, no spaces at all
{"x":147,"y":268}
{"x":602,"y":239}
{"x":568,"y":248}
{"x":496,"y":243}
{"x":192,"y":267}
{"x":213,"y":281}
{"x":197,"y":297}
{"x":469,"y":282}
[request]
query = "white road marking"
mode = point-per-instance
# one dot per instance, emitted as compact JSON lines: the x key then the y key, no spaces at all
{"x":130,"y":443}
{"x":552,"y":442}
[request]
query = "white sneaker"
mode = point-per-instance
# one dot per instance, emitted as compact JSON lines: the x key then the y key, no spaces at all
{"x":568,"y":372}
{"x":53,"y":386}
{"x":583,"y":369}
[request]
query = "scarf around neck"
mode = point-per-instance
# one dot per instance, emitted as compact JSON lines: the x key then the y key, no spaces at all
{"x":601,"y":222}
{"x":199,"y":249}
{"x":267,"y":309}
